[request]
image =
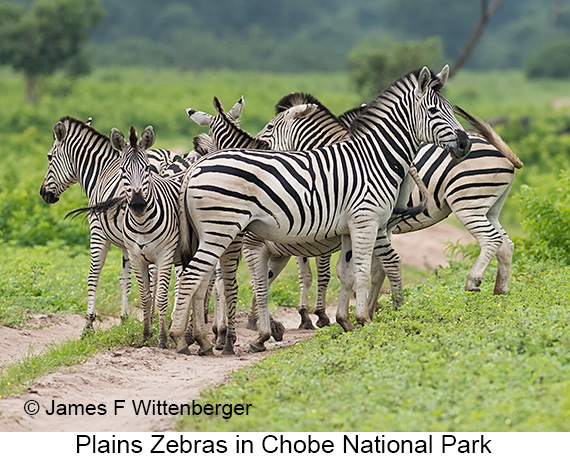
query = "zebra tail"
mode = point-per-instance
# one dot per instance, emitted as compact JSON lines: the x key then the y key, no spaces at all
{"x":188,"y":241}
{"x":487,"y":132}
{"x":115,"y":203}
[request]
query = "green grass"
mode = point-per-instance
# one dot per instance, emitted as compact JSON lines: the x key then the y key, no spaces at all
{"x":447,"y":361}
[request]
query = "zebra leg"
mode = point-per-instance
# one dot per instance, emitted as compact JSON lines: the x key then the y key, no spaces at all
{"x":363,"y":234}
{"x":323,"y":278}
{"x":305,"y":281}
{"x":220,"y":324}
{"x":190,"y":282}
{"x":257,"y":259}
{"x":228,"y":264}
{"x":391,"y":265}
{"x":161,"y":297}
{"x":346,"y":284}
{"x":142,"y":274}
{"x":504,"y":258}
{"x":125,"y":284}
{"x":378,"y":276}
{"x":99,"y":249}
{"x":276,"y":266}
{"x":489,"y":240}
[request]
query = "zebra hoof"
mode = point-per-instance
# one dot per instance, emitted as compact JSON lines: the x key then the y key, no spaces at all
{"x":323,"y":320}
{"x":206,"y":352}
{"x":161,"y":345}
{"x":306,"y":322}
{"x":228,"y":350}
{"x":277,"y":330}
{"x":256,"y":347}
{"x":346,"y":325}
{"x":184,"y":351}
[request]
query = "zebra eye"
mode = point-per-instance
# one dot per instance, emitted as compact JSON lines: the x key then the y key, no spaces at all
{"x":433,"y":111}
{"x":269,"y":127}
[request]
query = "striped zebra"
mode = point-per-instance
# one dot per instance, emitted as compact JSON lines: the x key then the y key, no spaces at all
{"x":81,"y":154}
{"x":150,"y":223}
{"x":474,"y":190}
{"x":348,"y":189}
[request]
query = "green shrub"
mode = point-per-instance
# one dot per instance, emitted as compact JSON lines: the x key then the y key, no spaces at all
{"x":546,"y":218}
{"x":376,"y":64}
{"x":550,"y":62}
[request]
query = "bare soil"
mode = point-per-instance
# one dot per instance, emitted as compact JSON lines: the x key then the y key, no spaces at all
{"x":147,"y":374}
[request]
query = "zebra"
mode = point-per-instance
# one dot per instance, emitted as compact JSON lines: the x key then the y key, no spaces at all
{"x":81,"y":154}
{"x":347,"y":189}
{"x":150,"y":223}
{"x":474,"y":190}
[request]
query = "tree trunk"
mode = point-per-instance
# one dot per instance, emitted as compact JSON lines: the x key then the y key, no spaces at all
{"x":487,"y":11}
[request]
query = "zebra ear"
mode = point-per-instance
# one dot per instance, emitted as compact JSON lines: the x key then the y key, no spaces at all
{"x":117,"y":140}
{"x":236,"y":110}
{"x":443,"y":75}
{"x":218,"y":106}
{"x":423,"y":81}
{"x":148,"y":137}
{"x":302,"y":111}
{"x":199,"y":117}
{"x":59,"y":131}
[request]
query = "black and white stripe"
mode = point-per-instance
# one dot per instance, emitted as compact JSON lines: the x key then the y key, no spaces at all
{"x":348,"y":189}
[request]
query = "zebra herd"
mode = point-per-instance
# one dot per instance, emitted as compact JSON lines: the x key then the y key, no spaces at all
{"x":308,"y":185}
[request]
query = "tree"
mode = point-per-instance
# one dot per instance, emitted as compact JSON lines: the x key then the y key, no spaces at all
{"x":487,"y":12}
{"x":46,"y":37}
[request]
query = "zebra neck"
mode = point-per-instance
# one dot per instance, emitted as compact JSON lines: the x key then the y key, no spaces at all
{"x":94,"y":159}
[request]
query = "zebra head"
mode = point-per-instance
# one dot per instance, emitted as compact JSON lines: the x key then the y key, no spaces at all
{"x":225,"y":131}
{"x":60,"y":173}
{"x":135,"y":166}
{"x":279,"y":131}
{"x":435,"y":121}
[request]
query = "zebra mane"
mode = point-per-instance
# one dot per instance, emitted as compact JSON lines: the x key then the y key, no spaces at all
{"x":301,"y":98}
{"x":295,"y":99}
{"x":85,"y":125}
{"x":349,"y":116}
{"x":133,"y":137}
{"x":357,"y":126}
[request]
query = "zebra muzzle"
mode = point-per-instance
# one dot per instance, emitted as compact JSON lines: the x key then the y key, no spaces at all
{"x":138,"y":203}
{"x":463,"y":146}
{"x":49,"y":197}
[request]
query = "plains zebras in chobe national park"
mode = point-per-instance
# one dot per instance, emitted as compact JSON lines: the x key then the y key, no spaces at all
{"x":81,"y":154}
{"x":474,"y":190}
{"x":348,"y":189}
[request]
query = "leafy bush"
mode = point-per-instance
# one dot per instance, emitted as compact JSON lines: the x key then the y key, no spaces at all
{"x":376,"y":64}
{"x":546,"y":218}
{"x":550,"y":62}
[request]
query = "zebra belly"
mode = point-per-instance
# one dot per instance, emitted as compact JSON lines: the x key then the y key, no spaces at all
{"x":314,"y":249}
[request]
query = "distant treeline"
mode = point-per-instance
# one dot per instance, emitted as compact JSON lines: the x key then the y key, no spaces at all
{"x":305,"y":35}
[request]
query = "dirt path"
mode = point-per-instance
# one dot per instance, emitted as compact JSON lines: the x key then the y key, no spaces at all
{"x":150,"y":374}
